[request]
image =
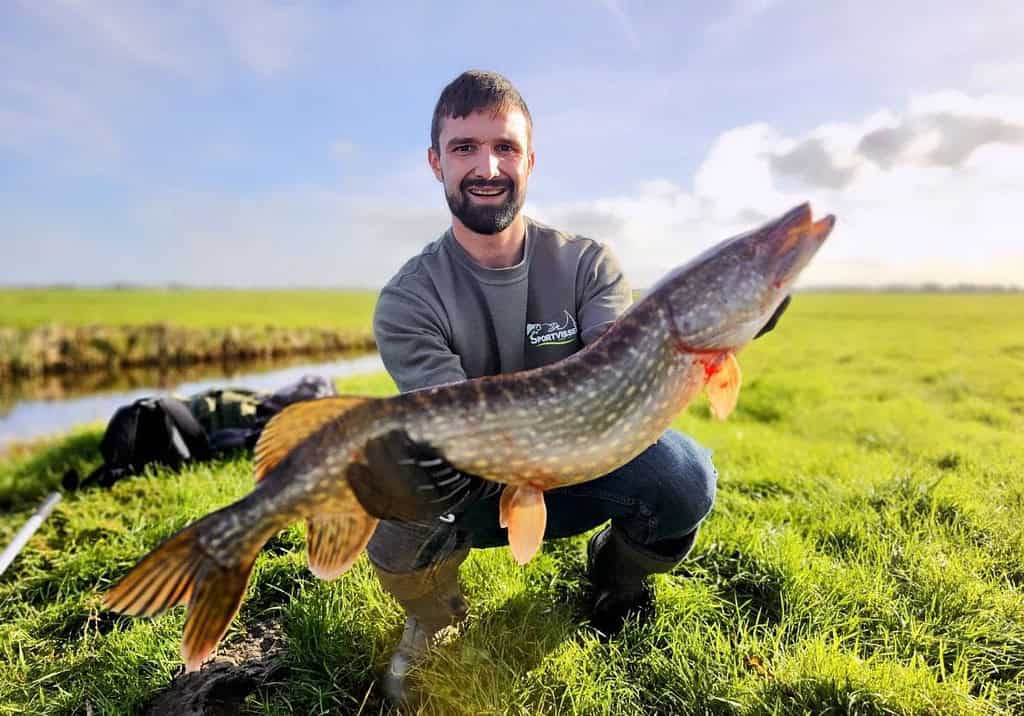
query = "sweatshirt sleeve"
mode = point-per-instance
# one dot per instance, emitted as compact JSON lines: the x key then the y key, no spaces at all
{"x":603,"y":292}
{"x":412,"y":341}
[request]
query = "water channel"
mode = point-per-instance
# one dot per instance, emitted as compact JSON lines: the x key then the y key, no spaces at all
{"x":55,"y":404}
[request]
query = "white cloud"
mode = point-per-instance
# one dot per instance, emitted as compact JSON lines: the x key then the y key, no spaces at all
{"x":943,"y":207}
{"x":148,"y":36}
{"x":47,"y":117}
{"x":89,"y":72}
{"x":910,"y":219}
{"x":998,"y":75}
{"x":623,"y":21}
{"x":268,"y":38}
{"x":740,"y":16}
{"x":304,"y":236}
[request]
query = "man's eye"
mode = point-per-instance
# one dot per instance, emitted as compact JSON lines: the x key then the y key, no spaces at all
{"x":463,"y":149}
{"x":506,"y":148}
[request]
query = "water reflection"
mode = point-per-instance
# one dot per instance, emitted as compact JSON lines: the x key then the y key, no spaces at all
{"x":54,"y":404}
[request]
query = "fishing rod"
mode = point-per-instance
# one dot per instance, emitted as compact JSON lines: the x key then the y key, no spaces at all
{"x":27,"y":530}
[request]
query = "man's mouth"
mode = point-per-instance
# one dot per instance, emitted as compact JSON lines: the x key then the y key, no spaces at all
{"x":486,"y":191}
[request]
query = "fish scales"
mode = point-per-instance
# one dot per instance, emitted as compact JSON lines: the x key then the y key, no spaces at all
{"x":534,"y":430}
{"x":466,"y":423}
{"x":471,"y":422}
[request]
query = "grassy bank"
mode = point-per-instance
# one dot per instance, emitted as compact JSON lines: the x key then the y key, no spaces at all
{"x":73,"y":330}
{"x":190,"y":308}
{"x":864,"y":556}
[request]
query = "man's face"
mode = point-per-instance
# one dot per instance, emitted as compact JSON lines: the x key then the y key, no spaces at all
{"x":484,"y":163}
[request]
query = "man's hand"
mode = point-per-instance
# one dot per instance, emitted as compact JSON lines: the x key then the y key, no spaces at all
{"x":775,"y":317}
{"x":405,"y":481}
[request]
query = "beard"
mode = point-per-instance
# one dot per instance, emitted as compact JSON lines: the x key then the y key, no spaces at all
{"x":484,"y":218}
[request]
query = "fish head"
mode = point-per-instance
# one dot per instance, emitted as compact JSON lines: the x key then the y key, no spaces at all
{"x":721,"y":299}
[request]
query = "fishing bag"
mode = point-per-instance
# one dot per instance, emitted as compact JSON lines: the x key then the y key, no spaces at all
{"x":150,"y":430}
{"x":172,"y":432}
{"x":234,"y":418}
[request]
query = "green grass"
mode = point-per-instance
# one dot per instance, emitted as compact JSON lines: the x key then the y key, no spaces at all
{"x":864,"y":556}
{"x":191,"y":308}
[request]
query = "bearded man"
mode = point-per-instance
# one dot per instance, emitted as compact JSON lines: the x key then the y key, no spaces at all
{"x":498,"y":292}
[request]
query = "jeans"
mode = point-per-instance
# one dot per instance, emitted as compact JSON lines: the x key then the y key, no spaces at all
{"x":656,"y":499}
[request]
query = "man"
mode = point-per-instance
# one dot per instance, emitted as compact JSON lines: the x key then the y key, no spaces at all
{"x":496,"y":293}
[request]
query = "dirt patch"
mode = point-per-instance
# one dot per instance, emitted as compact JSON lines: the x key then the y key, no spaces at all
{"x":221,"y":686}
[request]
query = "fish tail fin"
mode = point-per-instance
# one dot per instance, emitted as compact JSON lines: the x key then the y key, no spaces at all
{"x":180,"y":572}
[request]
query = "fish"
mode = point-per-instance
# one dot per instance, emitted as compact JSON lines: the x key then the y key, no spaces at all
{"x":532,"y":430}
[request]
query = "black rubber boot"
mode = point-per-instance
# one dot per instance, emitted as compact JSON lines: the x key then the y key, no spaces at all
{"x":432,"y":601}
{"x":619,"y":571}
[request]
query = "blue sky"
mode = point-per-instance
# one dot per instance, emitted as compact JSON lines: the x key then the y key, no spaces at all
{"x":283,"y":144}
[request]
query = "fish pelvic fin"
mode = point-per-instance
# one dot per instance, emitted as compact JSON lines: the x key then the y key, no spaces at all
{"x":334,"y":541}
{"x":294,"y":424}
{"x":722,"y":385}
{"x":176,"y":572}
{"x":523,"y":512}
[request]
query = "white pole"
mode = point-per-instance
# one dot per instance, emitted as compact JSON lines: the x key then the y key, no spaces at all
{"x":27,"y":530}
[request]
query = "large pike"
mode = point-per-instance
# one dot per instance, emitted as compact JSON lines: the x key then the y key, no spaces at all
{"x":535,"y":430}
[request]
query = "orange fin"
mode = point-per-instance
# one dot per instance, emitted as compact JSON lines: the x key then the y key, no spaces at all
{"x":334,"y":541}
{"x":296,"y":423}
{"x":505,"y":505}
{"x":179,"y":571}
{"x":723,"y":387}
{"x":523,"y":512}
{"x":163,"y":579}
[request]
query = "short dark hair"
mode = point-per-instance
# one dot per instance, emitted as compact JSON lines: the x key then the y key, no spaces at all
{"x":472,"y":91}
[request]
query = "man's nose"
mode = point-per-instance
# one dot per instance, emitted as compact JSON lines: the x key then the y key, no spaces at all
{"x":487,"y":166}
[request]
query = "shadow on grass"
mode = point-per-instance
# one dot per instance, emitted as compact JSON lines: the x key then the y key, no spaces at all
{"x":67,"y":623}
{"x":509,"y":640}
{"x":762,"y":489}
{"x":23,"y":482}
{"x":754,"y":586}
{"x":822,"y":695}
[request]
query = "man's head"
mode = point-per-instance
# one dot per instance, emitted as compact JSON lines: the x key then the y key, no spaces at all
{"x":481,"y":150}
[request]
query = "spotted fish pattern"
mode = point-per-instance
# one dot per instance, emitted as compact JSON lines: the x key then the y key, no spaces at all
{"x":534,"y":430}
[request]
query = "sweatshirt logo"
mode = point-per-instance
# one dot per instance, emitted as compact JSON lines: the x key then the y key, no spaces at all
{"x":552,"y":333}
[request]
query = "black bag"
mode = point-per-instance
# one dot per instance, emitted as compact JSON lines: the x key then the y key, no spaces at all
{"x":150,"y":430}
{"x":171,"y":432}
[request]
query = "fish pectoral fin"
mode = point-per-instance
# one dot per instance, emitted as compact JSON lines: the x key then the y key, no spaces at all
{"x":523,"y":512}
{"x":335,"y":540}
{"x":296,"y":423}
{"x":723,"y":386}
{"x":179,"y":571}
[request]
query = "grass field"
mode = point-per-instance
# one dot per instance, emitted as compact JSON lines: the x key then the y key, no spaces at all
{"x":190,"y":308}
{"x":864,"y":556}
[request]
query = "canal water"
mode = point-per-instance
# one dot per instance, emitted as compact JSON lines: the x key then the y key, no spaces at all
{"x":56,"y":404}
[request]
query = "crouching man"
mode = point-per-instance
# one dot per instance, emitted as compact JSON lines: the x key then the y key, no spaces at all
{"x":498,"y":292}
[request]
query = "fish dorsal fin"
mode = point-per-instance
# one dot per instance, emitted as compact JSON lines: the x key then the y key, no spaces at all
{"x":335,"y":540}
{"x":296,"y":423}
{"x":723,"y":386}
{"x":523,"y":512}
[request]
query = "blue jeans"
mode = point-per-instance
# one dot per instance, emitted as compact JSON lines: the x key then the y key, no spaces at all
{"x":655,"y":499}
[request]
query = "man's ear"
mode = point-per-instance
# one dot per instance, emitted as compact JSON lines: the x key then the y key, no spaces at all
{"x":531,"y":160}
{"x":435,"y":163}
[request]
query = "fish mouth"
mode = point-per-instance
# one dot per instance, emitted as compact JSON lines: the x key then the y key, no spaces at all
{"x":794,"y":239}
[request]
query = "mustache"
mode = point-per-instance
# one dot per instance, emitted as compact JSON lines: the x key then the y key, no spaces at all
{"x":485,"y":184}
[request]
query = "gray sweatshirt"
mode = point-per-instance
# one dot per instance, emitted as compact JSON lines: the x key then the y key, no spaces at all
{"x":444,"y":318}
